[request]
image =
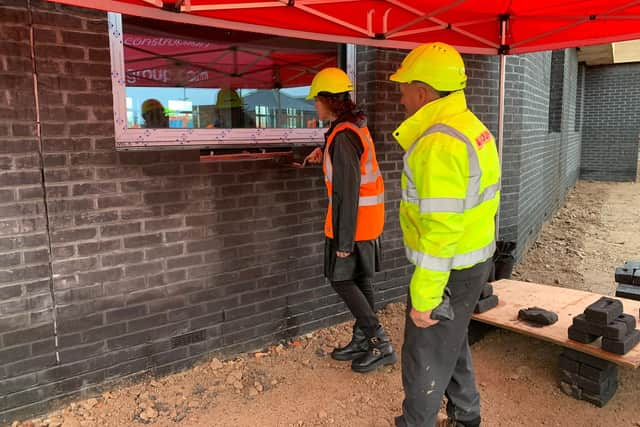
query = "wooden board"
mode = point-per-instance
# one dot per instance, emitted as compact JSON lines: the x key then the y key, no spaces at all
{"x":628,"y":51}
{"x":596,"y":55}
{"x":566,"y":303}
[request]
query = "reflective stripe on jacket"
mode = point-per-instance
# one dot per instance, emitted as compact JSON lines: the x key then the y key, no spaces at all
{"x":450,"y":194}
{"x":370,"y":217}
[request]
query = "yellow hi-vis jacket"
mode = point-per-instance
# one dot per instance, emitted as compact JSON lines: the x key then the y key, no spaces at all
{"x":450,"y":194}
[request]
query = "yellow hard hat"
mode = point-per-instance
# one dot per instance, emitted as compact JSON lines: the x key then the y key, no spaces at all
{"x":151,"y":104}
{"x":228,"y":98}
{"x":436,"y":64}
{"x":332,"y":80}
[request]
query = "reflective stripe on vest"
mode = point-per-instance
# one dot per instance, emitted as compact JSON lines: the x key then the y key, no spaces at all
{"x":449,"y":205}
{"x":368,"y":200}
{"x":434,"y":263}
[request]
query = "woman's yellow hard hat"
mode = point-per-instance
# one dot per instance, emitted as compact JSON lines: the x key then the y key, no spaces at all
{"x":331,"y":80}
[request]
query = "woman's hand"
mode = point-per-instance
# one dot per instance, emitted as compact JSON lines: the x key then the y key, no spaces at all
{"x":315,"y":156}
{"x":342,"y":254}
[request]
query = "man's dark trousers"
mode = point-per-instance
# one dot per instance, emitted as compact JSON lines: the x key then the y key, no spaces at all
{"x":437,"y":361}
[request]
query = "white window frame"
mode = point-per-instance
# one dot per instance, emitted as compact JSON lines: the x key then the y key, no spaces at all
{"x":152,"y":139}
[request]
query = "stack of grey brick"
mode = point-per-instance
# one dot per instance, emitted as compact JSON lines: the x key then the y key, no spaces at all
{"x":611,"y":122}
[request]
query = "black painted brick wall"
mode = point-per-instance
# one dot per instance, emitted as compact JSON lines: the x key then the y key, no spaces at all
{"x":611,"y":123}
{"x":146,"y":246}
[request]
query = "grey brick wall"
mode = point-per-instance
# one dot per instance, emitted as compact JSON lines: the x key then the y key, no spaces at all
{"x":548,"y":160}
{"x":145,"y":246}
{"x":148,"y":246}
{"x":611,"y":124}
{"x":26,"y":323}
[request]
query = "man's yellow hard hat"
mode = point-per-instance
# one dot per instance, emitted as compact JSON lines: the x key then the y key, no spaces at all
{"x":436,"y":64}
{"x":228,"y":98}
{"x":332,"y":80}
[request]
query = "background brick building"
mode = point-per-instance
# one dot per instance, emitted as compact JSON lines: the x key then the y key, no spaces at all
{"x":113,"y":264}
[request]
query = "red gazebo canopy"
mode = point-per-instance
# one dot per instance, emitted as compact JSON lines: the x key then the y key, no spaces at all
{"x":473,"y":26}
{"x":166,"y":60}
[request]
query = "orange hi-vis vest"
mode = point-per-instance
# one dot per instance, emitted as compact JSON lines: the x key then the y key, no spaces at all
{"x":370,"y":219}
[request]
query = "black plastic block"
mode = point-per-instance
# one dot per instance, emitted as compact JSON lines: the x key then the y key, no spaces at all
{"x":571,"y":389}
{"x":587,"y":359}
{"x":487,"y":291}
{"x":537,"y":316}
{"x":603,"y":311}
{"x":569,"y":365}
{"x":599,"y":375}
{"x":581,"y":323}
{"x":624,"y":275}
{"x":628,"y":291}
{"x":621,"y":346}
{"x":486,"y":304}
{"x":620,"y":327}
{"x":587,"y":385}
{"x":576,"y":392}
{"x":628,"y":319}
{"x":615,"y":331}
{"x":603,"y":398}
{"x":635,"y":265}
{"x":583,"y":337}
{"x":636,"y":277}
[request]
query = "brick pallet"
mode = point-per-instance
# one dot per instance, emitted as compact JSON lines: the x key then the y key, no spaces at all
{"x":628,"y":280}
{"x":588,"y":378}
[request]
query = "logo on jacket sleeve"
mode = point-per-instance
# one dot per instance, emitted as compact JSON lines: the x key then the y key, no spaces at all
{"x":483,"y":138}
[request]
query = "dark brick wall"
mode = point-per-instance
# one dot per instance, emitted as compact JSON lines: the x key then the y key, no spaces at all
{"x":556,"y":90}
{"x":539,"y":166}
{"x":26,"y":322}
{"x":147,"y":246}
{"x":611,"y":124}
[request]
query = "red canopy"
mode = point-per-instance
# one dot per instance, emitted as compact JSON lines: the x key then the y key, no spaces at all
{"x":473,"y":26}
{"x":165,"y":60}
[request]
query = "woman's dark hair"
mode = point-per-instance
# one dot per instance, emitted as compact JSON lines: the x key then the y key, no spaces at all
{"x":341,"y":105}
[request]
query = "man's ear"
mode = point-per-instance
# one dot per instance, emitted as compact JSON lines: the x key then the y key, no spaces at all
{"x":429,"y":94}
{"x":424,"y":94}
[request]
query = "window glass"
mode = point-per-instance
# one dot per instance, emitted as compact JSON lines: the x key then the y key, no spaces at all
{"x":188,"y":77}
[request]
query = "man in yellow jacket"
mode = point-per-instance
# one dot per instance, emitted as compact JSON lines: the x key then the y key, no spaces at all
{"x":450,"y":196}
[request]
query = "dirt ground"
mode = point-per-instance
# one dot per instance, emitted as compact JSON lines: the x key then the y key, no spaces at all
{"x":298,"y":384}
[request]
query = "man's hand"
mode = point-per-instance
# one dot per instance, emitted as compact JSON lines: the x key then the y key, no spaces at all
{"x":341,"y":254}
{"x":422,"y":319}
{"x":315,"y":156}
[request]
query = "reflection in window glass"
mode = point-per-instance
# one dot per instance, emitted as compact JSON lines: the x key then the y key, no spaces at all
{"x":182,"y":76}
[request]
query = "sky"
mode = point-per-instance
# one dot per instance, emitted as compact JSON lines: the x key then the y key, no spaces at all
{"x":196,"y":96}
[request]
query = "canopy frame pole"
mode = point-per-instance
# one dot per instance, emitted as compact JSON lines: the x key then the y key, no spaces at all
{"x":580,"y":21}
{"x":444,"y":25}
{"x":424,"y":17}
{"x":393,"y":34}
{"x":504,"y":48}
{"x":332,"y":19}
{"x":229,"y":6}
